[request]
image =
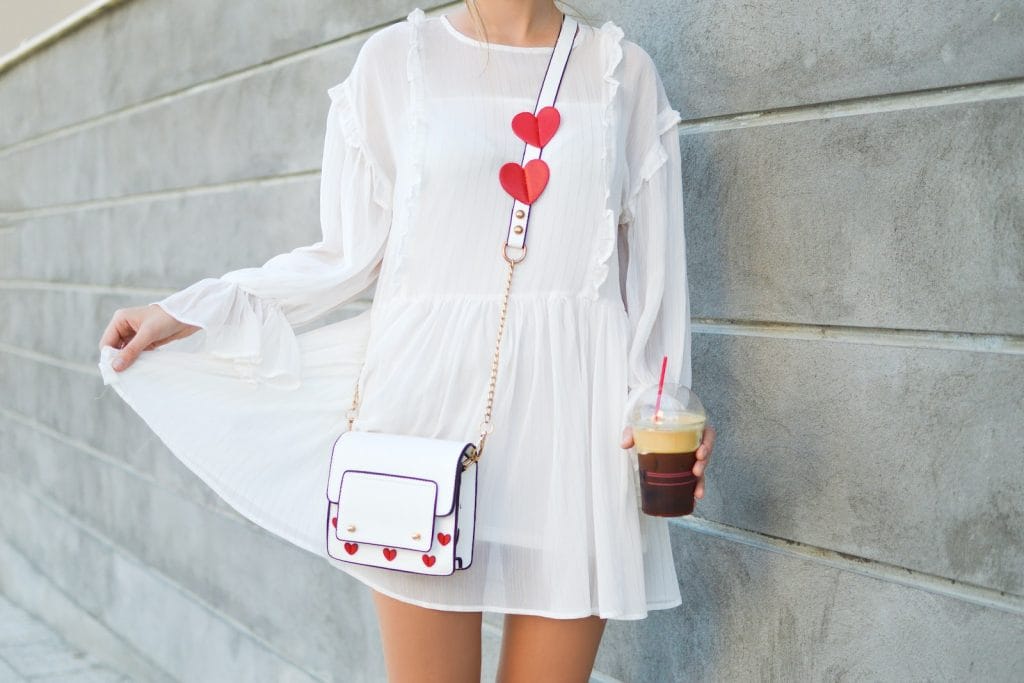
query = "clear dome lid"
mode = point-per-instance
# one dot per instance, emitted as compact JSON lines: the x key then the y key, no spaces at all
{"x":677,"y":408}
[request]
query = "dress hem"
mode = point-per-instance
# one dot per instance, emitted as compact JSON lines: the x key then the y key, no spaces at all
{"x":446,"y":607}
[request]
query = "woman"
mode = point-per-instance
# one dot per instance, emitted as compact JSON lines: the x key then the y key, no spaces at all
{"x":410,"y":200}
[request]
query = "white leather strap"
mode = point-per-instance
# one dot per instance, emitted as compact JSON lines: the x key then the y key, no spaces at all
{"x":520,"y":214}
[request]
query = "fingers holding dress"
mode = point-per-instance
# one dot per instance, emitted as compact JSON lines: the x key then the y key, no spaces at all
{"x":141,"y":328}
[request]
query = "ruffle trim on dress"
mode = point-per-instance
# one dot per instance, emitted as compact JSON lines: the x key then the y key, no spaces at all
{"x":354,"y":137}
{"x":414,"y":75}
{"x":250,"y":332}
{"x":604,"y":244}
{"x":654,"y":158}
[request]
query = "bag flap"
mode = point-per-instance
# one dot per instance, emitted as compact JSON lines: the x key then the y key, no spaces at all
{"x":422,"y":457}
{"x":386,"y":509}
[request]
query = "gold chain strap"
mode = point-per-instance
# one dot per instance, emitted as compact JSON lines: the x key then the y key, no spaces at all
{"x":486,"y":427}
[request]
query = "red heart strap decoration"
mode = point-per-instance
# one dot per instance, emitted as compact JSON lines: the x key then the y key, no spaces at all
{"x":334,"y":522}
{"x":536,"y":130}
{"x":525,"y":183}
{"x":351,"y":548}
{"x":429,"y":560}
{"x":389,"y":554}
{"x":443,"y":538}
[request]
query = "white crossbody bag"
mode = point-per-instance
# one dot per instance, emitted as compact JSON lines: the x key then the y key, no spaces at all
{"x":406,"y":502}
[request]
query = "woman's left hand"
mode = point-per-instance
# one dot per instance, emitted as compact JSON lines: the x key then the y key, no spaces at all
{"x":703,"y":454}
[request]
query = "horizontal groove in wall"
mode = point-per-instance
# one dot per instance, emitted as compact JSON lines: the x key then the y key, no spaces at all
{"x":111,"y":461}
{"x":1009,"y":344}
{"x":46,"y":285}
{"x":58,"y":512}
{"x":158,"y":195}
{"x":910,"y":578}
{"x":92,"y":369}
{"x":84,"y":287}
{"x":966,"y":592}
{"x":52,"y":361}
{"x":943,"y":341}
{"x":75,"y":22}
{"x":867,"y":105}
{"x":877,"y":336}
{"x":58,"y":31}
{"x":189,"y":90}
{"x":870,"y":104}
{"x":857,"y":106}
{"x":11,"y":556}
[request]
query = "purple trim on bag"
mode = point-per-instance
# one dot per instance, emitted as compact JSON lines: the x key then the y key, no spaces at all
{"x":472,"y":541}
{"x":391,"y":569}
{"x":327,"y":526}
{"x":348,"y":558}
{"x":433,"y":508}
{"x":455,"y":559}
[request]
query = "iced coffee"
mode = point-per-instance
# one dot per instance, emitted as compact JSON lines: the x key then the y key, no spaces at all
{"x":668,"y":426}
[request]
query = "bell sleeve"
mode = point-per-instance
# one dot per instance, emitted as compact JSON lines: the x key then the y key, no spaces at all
{"x":656,"y":293}
{"x":248,"y":314}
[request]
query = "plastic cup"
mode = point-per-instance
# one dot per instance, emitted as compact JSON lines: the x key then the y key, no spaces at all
{"x":666,"y":435}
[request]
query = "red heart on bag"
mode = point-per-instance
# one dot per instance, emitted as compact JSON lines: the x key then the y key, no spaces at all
{"x":389,"y":554}
{"x":525,"y":183}
{"x":334,"y":522}
{"x":536,"y":130}
{"x":351,"y":548}
{"x":429,"y":560}
{"x":444,"y":538}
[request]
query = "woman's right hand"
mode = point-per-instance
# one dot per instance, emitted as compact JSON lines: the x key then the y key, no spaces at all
{"x":141,"y":328}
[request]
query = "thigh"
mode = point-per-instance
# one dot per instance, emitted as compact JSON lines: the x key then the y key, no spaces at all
{"x":426,"y":645}
{"x":542,"y":649}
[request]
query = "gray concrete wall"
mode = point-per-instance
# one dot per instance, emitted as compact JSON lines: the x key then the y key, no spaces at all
{"x":23,"y":21}
{"x":855,"y":228}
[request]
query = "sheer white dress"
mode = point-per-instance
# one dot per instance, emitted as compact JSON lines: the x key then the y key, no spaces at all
{"x":411,"y":202}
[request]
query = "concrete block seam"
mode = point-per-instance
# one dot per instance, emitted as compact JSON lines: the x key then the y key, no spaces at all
{"x":191,"y":89}
{"x":58,"y":31}
{"x":109,"y":460}
{"x":44,"y":359}
{"x":947,"y":340}
{"x":971,"y":593}
{"x":90,"y":368}
{"x":56,"y":589}
{"x":893,"y":102}
{"x":58,"y":512}
{"x":488,"y":628}
{"x":957,"y":94}
{"x":1005,"y":344}
{"x":23,"y":285}
{"x":881,"y":571}
{"x":966,"y":93}
{"x":170,"y":194}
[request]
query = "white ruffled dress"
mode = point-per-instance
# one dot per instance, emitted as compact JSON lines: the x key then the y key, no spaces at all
{"x":411,"y":201}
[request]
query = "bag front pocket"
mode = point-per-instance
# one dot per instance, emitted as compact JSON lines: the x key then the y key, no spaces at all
{"x":386,"y":509}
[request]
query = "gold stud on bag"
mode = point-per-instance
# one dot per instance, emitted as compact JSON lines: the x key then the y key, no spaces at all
{"x":406,"y":502}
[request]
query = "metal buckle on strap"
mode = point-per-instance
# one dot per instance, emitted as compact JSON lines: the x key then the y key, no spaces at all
{"x":504,"y":252}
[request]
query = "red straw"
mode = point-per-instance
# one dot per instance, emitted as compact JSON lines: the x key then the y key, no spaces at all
{"x":661,"y":387}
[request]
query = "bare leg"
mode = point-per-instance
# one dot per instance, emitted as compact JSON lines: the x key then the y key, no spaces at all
{"x":550,"y":650}
{"x":424,"y":645}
